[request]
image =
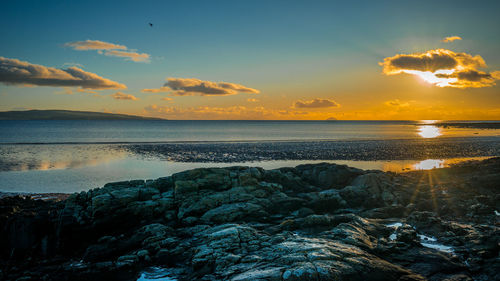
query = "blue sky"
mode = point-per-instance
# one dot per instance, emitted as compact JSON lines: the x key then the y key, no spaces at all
{"x":296,"y":49}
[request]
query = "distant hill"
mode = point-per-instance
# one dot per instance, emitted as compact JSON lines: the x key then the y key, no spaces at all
{"x":67,"y":115}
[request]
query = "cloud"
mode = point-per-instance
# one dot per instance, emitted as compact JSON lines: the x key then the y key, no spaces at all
{"x":316,"y":103}
{"x":94,"y":45}
{"x":166,"y":98}
{"x":159,"y":90}
{"x":442,"y":68}
{"x":252,"y":100}
{"x":451,"y":39}
{"x":193,"y":86}
{"x":14,"y":71}
{"x":236,"y":112}
{"x":397,"y":103}
{"x":123,"y":96}
{"x":133,"y":56}
{"x":109,"y":49}
{"x":86,"y":91}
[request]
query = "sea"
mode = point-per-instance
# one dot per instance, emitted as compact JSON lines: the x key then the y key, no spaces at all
{"x":50,"y":156}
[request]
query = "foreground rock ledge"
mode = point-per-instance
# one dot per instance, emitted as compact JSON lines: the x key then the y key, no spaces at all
{"x":311,"y":222}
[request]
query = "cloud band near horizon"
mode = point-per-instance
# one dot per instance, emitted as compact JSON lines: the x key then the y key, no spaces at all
{"x":316,"y":103}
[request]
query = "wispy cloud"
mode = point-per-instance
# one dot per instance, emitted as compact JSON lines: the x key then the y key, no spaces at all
{"x":123,"y":96}
{"x":109,"y":49}
{"x":237,"y":112}
{"x":442,"y":68}
{"x":86,"y":91}
{"x":133,"y":56}
{"x":397,"y":103}
{"x":252,"y":100}
{"x":14,"y":71}
{"x":167,"y":99}
{"x":158,"y":90}
{"x":451,"y":39}
{"x":316,"y":103}
{"x":94,"y":45}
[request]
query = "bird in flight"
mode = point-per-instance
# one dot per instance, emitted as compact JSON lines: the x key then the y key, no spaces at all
{"x":150,"y":24}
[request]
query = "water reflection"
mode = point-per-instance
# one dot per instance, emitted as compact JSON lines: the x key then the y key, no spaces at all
{"x":56,"y":157}
{"x":429,"y":131}
{"x":429,"y":164}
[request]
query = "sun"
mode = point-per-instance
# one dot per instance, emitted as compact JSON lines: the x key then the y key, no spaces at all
{"x":432,"y":78}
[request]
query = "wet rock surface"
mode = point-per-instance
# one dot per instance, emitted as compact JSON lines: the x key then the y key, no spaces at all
{"x":311,"y":222}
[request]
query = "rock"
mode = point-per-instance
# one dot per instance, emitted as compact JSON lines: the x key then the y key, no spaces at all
{"x":313,"y":222}
{"x":327,"y":176}
{"x":268,"y":274}
{"x":233,"y":212}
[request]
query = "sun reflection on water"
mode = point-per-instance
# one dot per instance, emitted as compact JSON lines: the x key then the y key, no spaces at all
{"x":429,"y":131}
{"x":429,"y":164}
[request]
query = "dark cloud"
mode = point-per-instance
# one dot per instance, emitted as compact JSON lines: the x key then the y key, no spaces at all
{"x":13,"y":71}
{"x":432,"y":60}
{"x":316,"y":103}
{"x":469,"y":75}
{"x":443,"y":68}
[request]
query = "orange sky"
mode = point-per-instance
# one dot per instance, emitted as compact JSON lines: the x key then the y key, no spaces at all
{"x":254,"y":60}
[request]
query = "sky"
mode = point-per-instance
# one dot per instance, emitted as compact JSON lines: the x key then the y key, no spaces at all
{"x":300,"y":60}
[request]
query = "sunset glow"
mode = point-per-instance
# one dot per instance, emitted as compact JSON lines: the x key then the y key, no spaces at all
{"x":259,"y":67}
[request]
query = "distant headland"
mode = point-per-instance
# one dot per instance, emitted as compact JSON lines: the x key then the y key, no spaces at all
{"x":67,"y":115}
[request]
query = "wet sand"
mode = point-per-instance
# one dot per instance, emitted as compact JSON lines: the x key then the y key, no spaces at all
{"x":366,"y":150}
{"x":469,"y":125}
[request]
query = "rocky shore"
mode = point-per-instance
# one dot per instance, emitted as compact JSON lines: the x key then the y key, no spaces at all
{"x":311,"y":222}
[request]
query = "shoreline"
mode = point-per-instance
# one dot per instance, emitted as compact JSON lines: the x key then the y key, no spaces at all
{"x":364,"y":150}
{"x":440,"y":138}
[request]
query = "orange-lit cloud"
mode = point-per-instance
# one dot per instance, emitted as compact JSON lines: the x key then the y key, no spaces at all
{"x":86,"y":91}
{"x":159,"y":90}
{"x":397,"y":103}
{"x":123,"y":96}
{"x":252,"y":100}
{"x":193,"y":86}
{"x":13,"y":71}
{"x":167,"y":99}
{"x":451,"y":39}
{"x":133,"y":56}
{"x":94,"y":45}
{"x":316,"y":103}
{"x":237,"y":112}
{"x":442,"y":68}
{"x":109,"y":49}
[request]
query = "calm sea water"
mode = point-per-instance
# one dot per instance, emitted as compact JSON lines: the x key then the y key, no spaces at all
{"x":82,"y":131}
{"x":69,"y":156}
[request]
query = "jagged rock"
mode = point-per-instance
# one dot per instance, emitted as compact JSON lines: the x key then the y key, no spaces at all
{"x":313,"y":222}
